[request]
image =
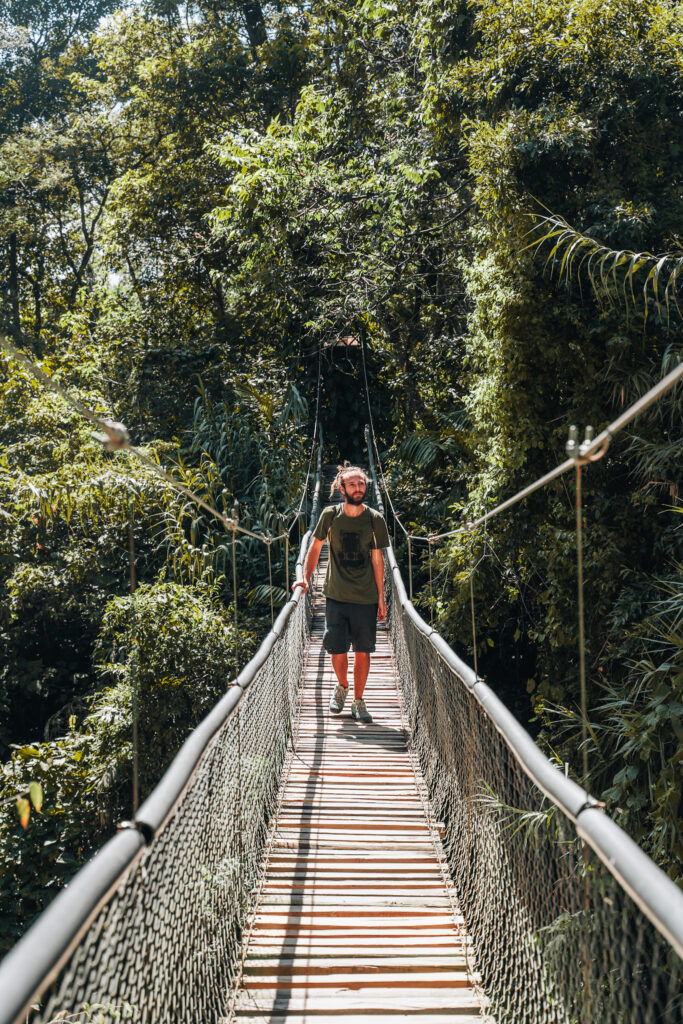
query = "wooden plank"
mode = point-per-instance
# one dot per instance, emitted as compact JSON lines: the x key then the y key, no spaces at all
{"x":354,"y":917}
{"x":341,"y":947}
{"x":326,"y":843}
{"x":377,"y":1017}
{"x":381,"y":869}
{"x":427,"y":857}
{"x":339,"y":903}
{"x":296,"y":931}
{"x":350,"y":964}
{"x":354,"y":876}
{"x":358,"y":980}
{"x":345,"y":1001}
{"x":361,"y":887}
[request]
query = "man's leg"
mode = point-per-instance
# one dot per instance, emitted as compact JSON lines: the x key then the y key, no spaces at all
{"x":336,"y":642}
{"x":363,"y":629}
{"x":340,"y":664}
{"x":361,"y":668}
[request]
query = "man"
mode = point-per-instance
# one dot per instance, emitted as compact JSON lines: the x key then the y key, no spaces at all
{"x":354,"y":585}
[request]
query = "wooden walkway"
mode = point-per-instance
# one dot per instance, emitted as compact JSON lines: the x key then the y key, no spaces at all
{"x":354,"y":917}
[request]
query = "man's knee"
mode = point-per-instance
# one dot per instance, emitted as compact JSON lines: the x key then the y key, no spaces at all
{"x":336,"y":641}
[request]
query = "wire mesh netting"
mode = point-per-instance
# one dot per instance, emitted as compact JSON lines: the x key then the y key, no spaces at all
{"x":165,"y":947}
{"x":555,"y":937}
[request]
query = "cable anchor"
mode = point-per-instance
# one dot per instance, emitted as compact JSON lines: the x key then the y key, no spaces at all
{"x":579,"y":451}
{"x":116,"y":435}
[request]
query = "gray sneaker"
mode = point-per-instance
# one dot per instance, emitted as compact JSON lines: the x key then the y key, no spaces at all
{"x":360,"y":712}
{"x":338,"y":699}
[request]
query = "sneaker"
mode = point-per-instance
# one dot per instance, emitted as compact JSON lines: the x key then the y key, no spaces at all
{"x":338,"y":699}
{"x":360,"y":712}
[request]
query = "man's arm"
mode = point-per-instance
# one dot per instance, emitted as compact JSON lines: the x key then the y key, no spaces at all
{"x":378,"y":570}
{"x":309,"y":565}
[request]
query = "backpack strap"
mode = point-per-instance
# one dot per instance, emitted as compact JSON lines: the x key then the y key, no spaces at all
{"x":337,"y":512}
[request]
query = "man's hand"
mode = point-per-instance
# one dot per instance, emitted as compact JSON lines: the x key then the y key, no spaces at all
{"x":309,"y":566}
{"x":381,"y":609}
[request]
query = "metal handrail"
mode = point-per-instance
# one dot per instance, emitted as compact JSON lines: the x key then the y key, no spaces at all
{"x":36,"y":960}
{"x":647,"y":885}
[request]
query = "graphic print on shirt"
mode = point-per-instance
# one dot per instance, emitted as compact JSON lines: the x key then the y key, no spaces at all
{"x":351,"y":554}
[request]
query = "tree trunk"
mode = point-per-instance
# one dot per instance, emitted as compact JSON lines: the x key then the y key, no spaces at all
{"x":256,"y":25}
{"x":15,"y":317}
{"x":36,"y":287}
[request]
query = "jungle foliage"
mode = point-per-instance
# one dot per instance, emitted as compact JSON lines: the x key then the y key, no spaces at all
{"x":196,"y":200}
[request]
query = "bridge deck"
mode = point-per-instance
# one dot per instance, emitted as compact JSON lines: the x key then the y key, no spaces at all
{"x":354,"y":917}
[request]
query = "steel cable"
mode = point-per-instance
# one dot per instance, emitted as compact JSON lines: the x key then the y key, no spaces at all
{"x":116,"y":437}
{"x":557,"y":935}
{"x":590,"y":451}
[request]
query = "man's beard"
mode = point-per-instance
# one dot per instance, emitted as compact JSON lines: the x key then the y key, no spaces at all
{"x":354,"y":499}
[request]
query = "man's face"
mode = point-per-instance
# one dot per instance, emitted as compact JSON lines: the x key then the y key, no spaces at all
{"x":353,"y":488}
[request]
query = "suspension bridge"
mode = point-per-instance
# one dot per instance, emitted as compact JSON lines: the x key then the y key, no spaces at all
{"x":291,"y":867}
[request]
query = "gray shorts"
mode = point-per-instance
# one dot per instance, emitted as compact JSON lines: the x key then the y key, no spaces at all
{"x":347,"y":624}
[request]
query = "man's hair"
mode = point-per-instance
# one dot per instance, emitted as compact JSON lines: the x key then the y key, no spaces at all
{"x":346,"y":470}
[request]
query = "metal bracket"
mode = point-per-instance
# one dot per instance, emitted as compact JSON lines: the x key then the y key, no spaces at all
{"x":115,"y":437}
{"x":575,"y":450}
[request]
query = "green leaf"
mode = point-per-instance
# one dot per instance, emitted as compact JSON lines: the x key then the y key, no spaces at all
{"x":35,"y":791}
{"x":28,"y":752}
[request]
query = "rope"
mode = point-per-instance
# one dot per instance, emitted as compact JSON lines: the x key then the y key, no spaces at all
{"x":234,"y":601}
{"x":394,"y":513}
{"x":116,"y":437}
{"x":474,"y":627}
{"x":590,"y":451}
{"x":297,"y":514}
{"x":582,"y":636}
{"x":431,"y":589}
{"x":133,"y":658}
{"x":270,"y":585}
{"x":286,"y":563}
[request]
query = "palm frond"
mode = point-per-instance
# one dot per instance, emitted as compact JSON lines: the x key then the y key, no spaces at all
{"x":530,"y":824}
{"x":426,"y":447}
{"x":262,"y":594}
{"x":612,"y":273}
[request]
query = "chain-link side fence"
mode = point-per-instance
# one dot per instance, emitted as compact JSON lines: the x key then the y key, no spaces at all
{"x":165,"y":946}
{"x":570,"y":922}
{"x":555,"y":936}
{"x":150,"y":930}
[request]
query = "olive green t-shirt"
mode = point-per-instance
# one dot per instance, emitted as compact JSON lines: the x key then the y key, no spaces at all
{"x":350,"y":540}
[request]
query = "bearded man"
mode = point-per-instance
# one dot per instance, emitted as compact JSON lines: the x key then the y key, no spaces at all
{"x":354,"y":584}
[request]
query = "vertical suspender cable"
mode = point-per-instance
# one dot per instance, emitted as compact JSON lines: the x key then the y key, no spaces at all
{"x":582,"y":638}
{"x":584,"y":730}
{"x":574,"y":450}
{"x":234,"y":602}
{"x":431,"y":590}
{"x":133,"y":656}
{"x":270,"y":584}
{"x":474,"y":628}
{"x":365,"y":378}
{"x":286,"y":563}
